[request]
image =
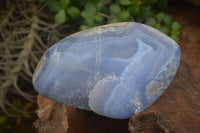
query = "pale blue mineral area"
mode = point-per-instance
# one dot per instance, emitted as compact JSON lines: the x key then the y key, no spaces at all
{"x":115,"y":70}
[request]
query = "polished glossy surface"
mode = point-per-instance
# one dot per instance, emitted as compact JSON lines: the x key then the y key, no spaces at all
{"x":115,"y":70}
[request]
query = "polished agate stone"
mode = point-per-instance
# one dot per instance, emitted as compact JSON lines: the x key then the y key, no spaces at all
{"x":115,"y":70}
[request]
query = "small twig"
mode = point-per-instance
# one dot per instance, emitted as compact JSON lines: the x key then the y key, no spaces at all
{"x":41,"y":8}
{"x":35,"y":59}
{"x":5,"y":20}
{"x":9,"y":56}
{"x":9,"y":40}
{"x":26,"y":95}
{"x":21,"y":32}
{"x":9,"y":63}
{"x":25,"y":77}
{"x":4,"y":69}
{"x":104,"y":15}
{"x":26,"y":68}
{"x":40,"y":42}
{"x":19,"y":22}
{"x":48,"y":28}
{"x":45,"y":23}
{"x":23,"y":13}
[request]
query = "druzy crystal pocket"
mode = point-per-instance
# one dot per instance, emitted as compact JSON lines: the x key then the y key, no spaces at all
{"x":115,"y":70}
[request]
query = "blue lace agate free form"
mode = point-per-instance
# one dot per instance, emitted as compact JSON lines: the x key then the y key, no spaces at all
{"x":115,"y":70}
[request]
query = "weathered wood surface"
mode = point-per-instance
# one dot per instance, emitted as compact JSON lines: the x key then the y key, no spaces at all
{"x":176,"y":111}
{"x":52,"y":117}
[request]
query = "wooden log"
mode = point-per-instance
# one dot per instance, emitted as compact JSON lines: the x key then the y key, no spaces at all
{"x":52,"y":117}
